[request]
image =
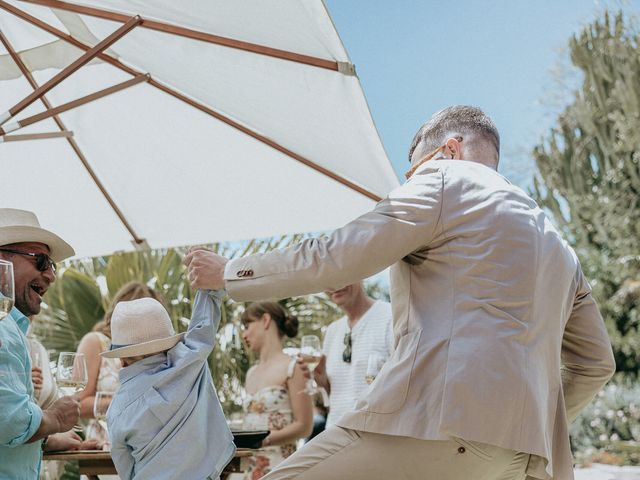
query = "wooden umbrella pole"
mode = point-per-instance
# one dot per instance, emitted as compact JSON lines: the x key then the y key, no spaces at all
{"x":72,"y":143}
{"x":73,"y":104}
{"x":89,"y":55}
{"x":36,"y":136}
{"x":193,"y":34}
{"x":116,"y":63}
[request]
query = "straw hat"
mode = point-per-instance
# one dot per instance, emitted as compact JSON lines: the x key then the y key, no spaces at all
{"x":17,"y":226}
{"x":140,"y":327}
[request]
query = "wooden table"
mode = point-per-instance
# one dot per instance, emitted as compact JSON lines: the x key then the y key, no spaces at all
{"x":98,"y":462}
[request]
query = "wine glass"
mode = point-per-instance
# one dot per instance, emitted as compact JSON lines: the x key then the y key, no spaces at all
{"x":101,"y":404}
{"x":36,"y":362}
{"x":71,"y":374}
{"x":374,"y":365}
{"x":311,"y":353}
{"x":7,"y":297}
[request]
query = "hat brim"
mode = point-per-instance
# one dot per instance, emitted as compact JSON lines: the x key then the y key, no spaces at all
{"x":144,"y":348}
{"x":58,"y":248}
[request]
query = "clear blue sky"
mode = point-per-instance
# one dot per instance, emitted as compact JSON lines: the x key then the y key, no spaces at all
{"x":415,"y":57}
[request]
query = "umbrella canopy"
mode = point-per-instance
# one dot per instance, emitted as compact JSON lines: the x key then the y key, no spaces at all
{"x":168,"y":123}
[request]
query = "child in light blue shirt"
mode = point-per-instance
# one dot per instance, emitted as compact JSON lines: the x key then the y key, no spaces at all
{"x":165,"y":421}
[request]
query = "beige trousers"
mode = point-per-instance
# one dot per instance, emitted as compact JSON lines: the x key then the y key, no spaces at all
{"x":345,"y":454}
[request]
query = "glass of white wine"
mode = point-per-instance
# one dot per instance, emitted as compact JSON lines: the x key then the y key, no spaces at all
{"x":101,"y":404}
{"x":374,"y":365}
{"x":71,"y":374}
{"x":311,"y":353}
{"x":7,"y":297}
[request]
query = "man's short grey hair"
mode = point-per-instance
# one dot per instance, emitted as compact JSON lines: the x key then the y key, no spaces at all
{"x":459,"y":120}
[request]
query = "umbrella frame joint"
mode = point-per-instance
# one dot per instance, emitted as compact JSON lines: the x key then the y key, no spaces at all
{"x":89,"y":55}
{"x":66,"y":133}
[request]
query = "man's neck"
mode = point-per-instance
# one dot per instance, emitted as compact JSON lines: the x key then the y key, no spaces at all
{"x":356,"y":310}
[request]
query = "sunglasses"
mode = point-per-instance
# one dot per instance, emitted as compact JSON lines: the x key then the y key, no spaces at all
{"x":346,"y":355}
{"x":428,"y":157}
{"x":43,"y":261}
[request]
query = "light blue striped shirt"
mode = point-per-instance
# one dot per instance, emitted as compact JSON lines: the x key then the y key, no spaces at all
{"x":20,"y":416}
{"x":165,"y":421}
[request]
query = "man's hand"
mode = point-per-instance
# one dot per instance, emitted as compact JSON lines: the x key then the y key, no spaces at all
{"x":36,"y":377}
{"x":65,"y":413}
{"x":63,"y":441}
{"x":59,"y":417}
{"x":91,"y":444}
{"x":205,"y":269}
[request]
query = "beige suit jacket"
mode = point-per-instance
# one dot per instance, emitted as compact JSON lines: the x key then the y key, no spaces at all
{"x":498,"y":339}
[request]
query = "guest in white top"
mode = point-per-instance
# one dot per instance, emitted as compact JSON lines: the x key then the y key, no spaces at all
{"x":364,"y":331}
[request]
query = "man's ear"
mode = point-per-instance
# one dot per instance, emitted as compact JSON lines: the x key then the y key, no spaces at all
{"x":453,"y":149}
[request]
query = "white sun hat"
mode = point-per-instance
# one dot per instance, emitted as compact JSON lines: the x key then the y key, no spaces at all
{"x":140,"y":327}
{"x":18,"y":226}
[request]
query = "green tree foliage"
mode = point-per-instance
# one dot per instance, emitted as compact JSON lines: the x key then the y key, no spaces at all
{"x":84,"y":288}
{"x":589,"y":165}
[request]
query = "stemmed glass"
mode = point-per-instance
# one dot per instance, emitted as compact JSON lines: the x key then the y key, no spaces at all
{"x":374,"y":365}
{"x":7,"y":297}
{"x":36,"y":362}
{"x":311,"y":353}
{"x":71,"y":374}
{"x":101,"y":404}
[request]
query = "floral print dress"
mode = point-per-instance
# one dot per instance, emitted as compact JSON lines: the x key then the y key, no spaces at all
{"x":269,"y":407}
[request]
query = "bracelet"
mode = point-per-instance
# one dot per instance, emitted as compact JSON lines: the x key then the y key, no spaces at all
{"x":44,"y":442}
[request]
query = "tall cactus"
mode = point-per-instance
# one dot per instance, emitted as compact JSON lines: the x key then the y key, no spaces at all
{"x":589,"y":166}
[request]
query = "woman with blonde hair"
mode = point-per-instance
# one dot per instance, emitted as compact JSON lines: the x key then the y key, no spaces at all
{"x":103,"y":372}
{"x":275,"y":386}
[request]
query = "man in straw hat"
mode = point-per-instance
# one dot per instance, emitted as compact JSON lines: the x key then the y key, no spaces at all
{"x":165,"y":421}
{"x":498,"y":341}
{"x":25,"y":429}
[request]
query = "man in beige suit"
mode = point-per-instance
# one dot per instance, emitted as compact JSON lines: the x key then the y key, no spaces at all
{"x":499,"y":343}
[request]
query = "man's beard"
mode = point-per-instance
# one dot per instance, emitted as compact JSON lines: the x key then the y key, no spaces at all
{"x":25,"y":306}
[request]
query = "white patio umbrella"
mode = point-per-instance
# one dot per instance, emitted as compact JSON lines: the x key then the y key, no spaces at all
{"x":167,"y":123}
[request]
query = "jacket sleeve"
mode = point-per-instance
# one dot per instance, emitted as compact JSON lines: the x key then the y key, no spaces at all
{"x":405,"y":221}
{"x":587,"y":357}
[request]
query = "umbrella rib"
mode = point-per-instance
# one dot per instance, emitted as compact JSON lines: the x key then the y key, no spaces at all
{"x":36,"y":136}
{"x":74,"y":145}
{"x":70,"y":69}
{"x":73,"y":104}
{"x":196,"y":35}
{"x":116,"y":63}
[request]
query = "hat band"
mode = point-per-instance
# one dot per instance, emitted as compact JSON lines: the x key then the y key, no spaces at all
{"x":114,"y":346}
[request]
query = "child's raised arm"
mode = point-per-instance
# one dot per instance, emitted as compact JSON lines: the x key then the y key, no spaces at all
{"x":205,"y":318}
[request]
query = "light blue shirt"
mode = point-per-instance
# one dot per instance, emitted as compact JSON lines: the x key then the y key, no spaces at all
{"x":20,"y":416}
{"x":165,"y":421}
